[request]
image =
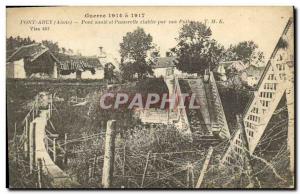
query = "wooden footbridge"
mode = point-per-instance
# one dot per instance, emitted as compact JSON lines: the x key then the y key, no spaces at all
{"x":40,"y":145}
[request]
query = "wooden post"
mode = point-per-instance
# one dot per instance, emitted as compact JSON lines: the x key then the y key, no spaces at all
{"x":32,"y":149}
{"x":25,"y":137}
{"x":193,"y":177}
{"x":90,"y":170}
{"x":145,"y":169}
{"x":94,"y":166}
{"x":188,"y":176}
{"x":54,"y":149}
{"x":34,"y":144}
{"x":15,"y":132}
{"x":25,"y":142}
{"x":65,"y":148}
{"x":40,"y":172}
{"x":109,"y":155}
{"x":49,"y":110}
{"x":46,"y":143}
{"x":36,"y":106}
{"x":124,"y":161}
{"x":28,"y":140}
{"x":204,"y":168}
{"x":33,"y":112}
{"x":51,"y":104}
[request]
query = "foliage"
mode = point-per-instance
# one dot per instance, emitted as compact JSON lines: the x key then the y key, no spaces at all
{"x":134,"y":51}
{"x":109,"y":71}
{"x":13,"y":43}
{"x":282,"y":43}
{"x":246,"y":51}
{"x":53,"y":46}
{"x":196,"y":50}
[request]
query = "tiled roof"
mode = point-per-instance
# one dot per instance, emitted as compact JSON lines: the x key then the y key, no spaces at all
{"x":164,"y":62}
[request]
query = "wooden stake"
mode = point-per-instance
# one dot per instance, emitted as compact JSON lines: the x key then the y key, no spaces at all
{"x":94,"y":166}
{"x":188,"y":176}
{"x":28,"y":140}
{"x":193,"y":177}
{"x":54,"y":149}
{"x":145,"y":169}
{"x":15,"y":132}
{"x":65,"y":148}
{"x":109,"y":155}
{"x":40,"y":171}
{"x":204,"y":168}
{"x":51,"y":103}
{"x":47,"y":142}
{"x":124,"y":159}
{"x":49,"y":110}
{"x":90,"y":170}
{"x":32,"y":149}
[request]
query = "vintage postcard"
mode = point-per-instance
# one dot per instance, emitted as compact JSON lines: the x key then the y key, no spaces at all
{"x":150,"y":97}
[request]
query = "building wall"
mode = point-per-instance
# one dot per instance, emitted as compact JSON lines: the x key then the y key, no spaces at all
{"x":99,"y":74}
{"x":43,"y":64}
{"x":10,"y":70}
{"x":166,"y":71}
{"x":69,"y":76}
{"x":15,"y":69}
{"x":160,"y":72}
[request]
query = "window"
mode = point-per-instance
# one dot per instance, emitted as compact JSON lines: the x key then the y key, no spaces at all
{"x":251,"y":133}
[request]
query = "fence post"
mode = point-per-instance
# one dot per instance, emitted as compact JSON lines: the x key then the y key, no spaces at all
{"x":46,"y":142}
{"x":94,"y":166}
{"x":124,"y":161}
{"x":26,"y":136}
{"x":28,"y":140}
{"x":49,"y":110}
{"x":188,"y":175}
{"x":54,"y":149}
{"x":33,"y":112}
{"x":51,"y":103}
{"x":32,"y":148}
{"x":145,"y":169}
{"x":65,"y":148}
{"x":204,"y":167}
{"x":109,"y":155}
{"x":90,"y":170}
{"x":40,"y":171}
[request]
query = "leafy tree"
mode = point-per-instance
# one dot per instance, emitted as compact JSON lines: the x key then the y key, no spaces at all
{"x":196,"y":50}
{"x":134,"y":51}
{"x":246,"y":51}
{"x":13,"y":43}
{"x":53,"y":46}
{"x":109,"y":71}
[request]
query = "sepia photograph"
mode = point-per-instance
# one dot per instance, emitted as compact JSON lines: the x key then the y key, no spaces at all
{"x":145,"y":97}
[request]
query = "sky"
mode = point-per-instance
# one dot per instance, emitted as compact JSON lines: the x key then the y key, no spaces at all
{"x":71,"y":27}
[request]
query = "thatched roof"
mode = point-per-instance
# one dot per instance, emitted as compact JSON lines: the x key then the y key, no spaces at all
{"x":76,"y":62}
